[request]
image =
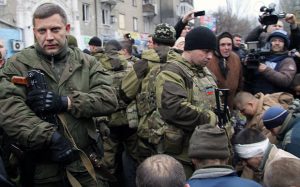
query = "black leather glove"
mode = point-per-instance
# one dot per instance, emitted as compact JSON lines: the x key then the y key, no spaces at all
{"x":61,"y":150}
{"x":44,"y":101}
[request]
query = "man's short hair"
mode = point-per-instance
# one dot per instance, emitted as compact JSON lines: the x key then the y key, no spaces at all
{"x":242,"y":98}
{"x":49,"y":9}
{"x":127,"y":45}
{"x":236,"y":35}
{"x":160,"y":171}
{"x":283,"y":172}
{"x":249,"y":136}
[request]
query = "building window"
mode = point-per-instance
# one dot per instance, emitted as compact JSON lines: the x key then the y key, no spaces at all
{"x":182,"y":10}
{"x":135,"y":24}
{"x":105,"y":16}
{"x":121,"y":21}
{"x":134,"y":3}
{"x":148,"y":2}
{"x":147,"y":25}
{"x":85,"y":12}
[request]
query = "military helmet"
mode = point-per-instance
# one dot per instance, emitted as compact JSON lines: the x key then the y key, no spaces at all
{"x":164,"y":34}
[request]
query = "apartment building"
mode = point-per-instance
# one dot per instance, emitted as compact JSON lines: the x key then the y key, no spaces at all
{"x":164,"y":11}
{"x":107,"y":19}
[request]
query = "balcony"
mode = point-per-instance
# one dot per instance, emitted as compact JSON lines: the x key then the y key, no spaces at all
{"x":110,"y":2}
{"x":149,"y":10}
{"x":187,"y":1}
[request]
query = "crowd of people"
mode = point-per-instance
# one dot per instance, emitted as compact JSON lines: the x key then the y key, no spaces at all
{"x":109,"y":116}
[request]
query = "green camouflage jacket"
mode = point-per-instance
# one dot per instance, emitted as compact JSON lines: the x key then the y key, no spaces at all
{"x":117,"y":67}
{"x":185,"y":98}
{"x":132,"y":83}
{"x":83,"y":80}
{"x":185,"y":93}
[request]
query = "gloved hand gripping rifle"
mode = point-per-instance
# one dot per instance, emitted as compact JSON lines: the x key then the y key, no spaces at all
{"x":222,"y":113}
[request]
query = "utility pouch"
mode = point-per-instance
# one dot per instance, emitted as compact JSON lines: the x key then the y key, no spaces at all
{"x":156,"y":128}
{"x":145,"y":150}
{"x":132,"y":115}
{"x":146,"y":103}
{"x":173,"y":140}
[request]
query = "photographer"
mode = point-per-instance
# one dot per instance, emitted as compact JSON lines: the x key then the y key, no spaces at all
{"x":277,"y":71}
{"x":261,"y":33}
{"x":271,"y":22}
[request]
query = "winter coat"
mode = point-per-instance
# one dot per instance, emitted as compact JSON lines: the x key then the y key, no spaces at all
{"x":233,"y":79}
{"x":217,"y":176}
{"x":82,"y":79}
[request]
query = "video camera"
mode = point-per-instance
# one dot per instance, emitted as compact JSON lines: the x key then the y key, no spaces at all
{"x":256,"y":55}
{"x":269,"y":17}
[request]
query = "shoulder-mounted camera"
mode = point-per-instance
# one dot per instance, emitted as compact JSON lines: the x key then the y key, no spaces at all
{"x":256,"y":55}
{"x":269,"y":17}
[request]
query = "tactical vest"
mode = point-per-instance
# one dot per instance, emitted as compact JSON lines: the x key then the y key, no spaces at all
{"x":119,"y":117}
{"x":146,"y":100}
{"x":169,"y":139}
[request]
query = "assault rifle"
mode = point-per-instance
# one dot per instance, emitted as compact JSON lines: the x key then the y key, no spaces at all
{"x":222,"y":113}
{"x":36,"y":81}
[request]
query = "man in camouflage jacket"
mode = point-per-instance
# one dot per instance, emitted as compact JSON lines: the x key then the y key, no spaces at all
{"x":184,"y":96}
{"x":78,"y":89}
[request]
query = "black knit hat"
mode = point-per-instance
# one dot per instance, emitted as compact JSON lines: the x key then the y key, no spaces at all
{"x":200,"y":38}
{"x":164,"y":34}
{"x":208,"y":142}
{"x":95,"y":41}
{"x":274,"y":117}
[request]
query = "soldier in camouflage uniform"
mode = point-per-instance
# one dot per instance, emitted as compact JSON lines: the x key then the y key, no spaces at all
{"x":184,"y":96}
{"x":135,"y":86}
{"x":120,"y":135}
{"x":78,"y":89}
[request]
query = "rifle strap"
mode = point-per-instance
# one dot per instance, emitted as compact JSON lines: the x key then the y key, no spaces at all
{"x":73,"y":181}
{"x":84,"y":158}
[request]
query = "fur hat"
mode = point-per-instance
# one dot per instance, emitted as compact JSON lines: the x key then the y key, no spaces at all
{"x":164,"y":34}
{"x":274,"y":117}
{"x":200,"y":38}
{"x":280,"y":34}
{"x":208,"y":142}
{"x":95,"y":41}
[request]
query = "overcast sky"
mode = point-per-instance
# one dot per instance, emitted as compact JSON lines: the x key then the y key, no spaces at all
{"x":250,"y":7}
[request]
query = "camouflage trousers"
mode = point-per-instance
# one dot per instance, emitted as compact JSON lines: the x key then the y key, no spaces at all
{"x":120,"y":139}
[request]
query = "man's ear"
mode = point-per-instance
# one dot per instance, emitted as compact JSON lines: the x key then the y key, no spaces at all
{"x":68,"y":28}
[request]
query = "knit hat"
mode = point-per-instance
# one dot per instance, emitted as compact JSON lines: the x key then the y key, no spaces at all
{"x":280,"y":34}
{"x":95,"y":41}
{"x":164,"y":34}
{"x":274,"y":117}
{"x":200,"y":38}
{"x":208,"y":142}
